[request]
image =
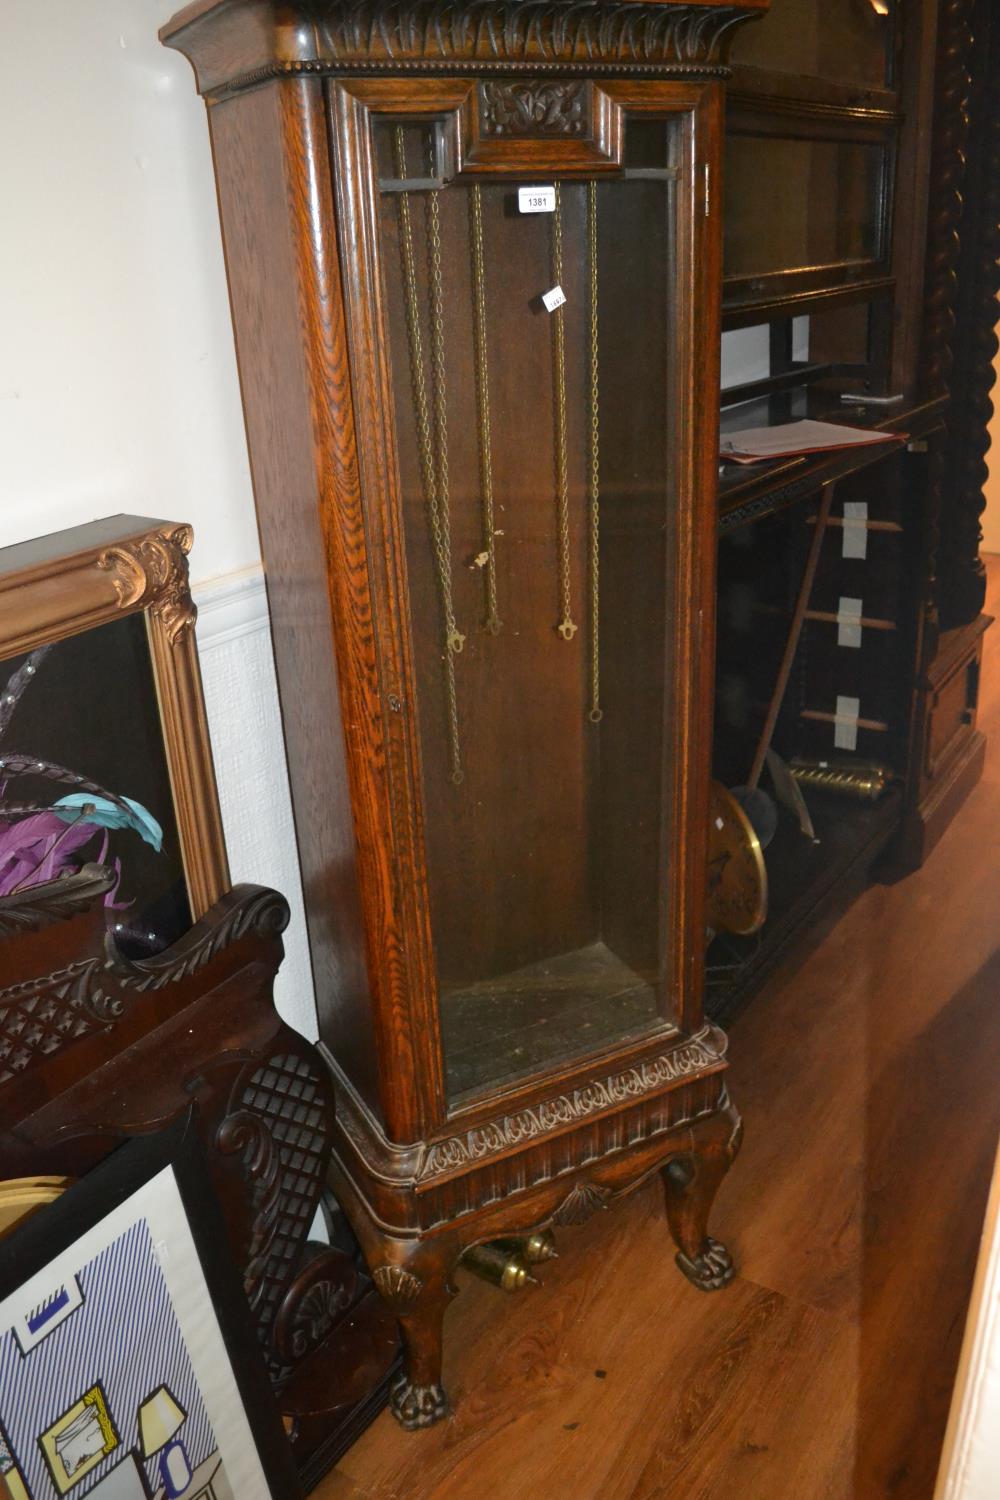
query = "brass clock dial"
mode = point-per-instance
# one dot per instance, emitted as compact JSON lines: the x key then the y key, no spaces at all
{"x":737,"y":875}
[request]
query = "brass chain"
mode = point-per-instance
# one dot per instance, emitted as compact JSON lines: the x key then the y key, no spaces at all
{"x":594,"y":489}
{"x":565,"y":627}
{"x":492,"y":622}
{"x":433,"y":464}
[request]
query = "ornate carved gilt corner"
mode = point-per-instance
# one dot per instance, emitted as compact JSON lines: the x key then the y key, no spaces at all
{"x":152,"y":573}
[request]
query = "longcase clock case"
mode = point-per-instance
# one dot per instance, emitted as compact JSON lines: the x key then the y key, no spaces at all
{"x":483,"y":430}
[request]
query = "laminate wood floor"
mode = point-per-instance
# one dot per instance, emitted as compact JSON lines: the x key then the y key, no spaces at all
{"x":867,"y":1076}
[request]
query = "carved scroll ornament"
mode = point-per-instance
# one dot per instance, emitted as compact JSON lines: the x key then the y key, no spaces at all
{"x":153,"y":572}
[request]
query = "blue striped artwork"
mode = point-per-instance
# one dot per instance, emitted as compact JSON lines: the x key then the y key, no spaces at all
{"x":42,"y":1320}
{"x":124,"y":1336}
{"x":43,"y":1316}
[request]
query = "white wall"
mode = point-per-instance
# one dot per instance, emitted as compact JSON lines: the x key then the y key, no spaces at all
{"x":118,"y":382}
{"x":970,"y":1459}
{"x":118,"y":387}
{"x":746,"y":352}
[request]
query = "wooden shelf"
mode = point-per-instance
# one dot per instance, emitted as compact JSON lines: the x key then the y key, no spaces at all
{"x":526,"y":1020}
{"x":746,"y":494}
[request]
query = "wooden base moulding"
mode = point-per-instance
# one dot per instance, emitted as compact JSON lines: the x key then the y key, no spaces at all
{"x":417,"y":1209}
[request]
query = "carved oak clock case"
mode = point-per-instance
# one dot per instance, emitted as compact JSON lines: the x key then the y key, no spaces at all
{"x":473,"y":253}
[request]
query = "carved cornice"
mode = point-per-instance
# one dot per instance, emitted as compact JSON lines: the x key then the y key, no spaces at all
{"x":552,"y":107}
{"x":523,"y":31}
{"x":591,"y":37}
{"x":152,"y":573}
{"x":697,"y":1056}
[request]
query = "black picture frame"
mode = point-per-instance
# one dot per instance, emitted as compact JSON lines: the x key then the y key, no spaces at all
{"x":57,"y":1227}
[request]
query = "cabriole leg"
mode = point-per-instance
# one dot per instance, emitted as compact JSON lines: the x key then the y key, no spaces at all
{"x":417,"y":1398}
{"x":691,"y":1180}
{"x":417,"y":1287}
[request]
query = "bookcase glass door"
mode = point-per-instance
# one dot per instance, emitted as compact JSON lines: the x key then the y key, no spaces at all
{"x":533,"y":365}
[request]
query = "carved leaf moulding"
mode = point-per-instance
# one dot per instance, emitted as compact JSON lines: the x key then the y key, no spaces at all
{"x":446,"y":1201}
{"x":693,"y":1057}
{"x":261,"y":911}
{"x":508,"y":35}
{"x":523,"y":30}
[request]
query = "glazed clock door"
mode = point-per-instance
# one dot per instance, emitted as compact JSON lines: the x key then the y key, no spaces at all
{"x":534,"y":257}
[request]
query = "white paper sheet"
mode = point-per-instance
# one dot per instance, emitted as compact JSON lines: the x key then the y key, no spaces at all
{"x":758,"y":443}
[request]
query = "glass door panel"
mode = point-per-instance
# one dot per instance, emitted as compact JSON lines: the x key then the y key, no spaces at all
{"x":795,"y":204}
{"x":537,"y":462}
{"x":846,"y":41}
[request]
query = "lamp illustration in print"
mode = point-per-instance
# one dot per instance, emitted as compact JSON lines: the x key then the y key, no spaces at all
{"x":160,"y":1419}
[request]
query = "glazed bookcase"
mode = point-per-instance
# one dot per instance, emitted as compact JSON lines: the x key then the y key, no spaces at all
{"x":483,"y":431}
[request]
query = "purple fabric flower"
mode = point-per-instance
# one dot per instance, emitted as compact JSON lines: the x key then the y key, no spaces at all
{"x":39,"y":848}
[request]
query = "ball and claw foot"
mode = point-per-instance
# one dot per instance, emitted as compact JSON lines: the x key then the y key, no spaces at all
{"x":416,"y":1406}
{"x":711,"y":1270}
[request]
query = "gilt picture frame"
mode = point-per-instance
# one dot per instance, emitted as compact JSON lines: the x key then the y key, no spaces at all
{"x":104,"y":742}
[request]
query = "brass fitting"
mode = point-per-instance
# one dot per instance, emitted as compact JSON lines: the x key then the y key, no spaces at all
{"x":532,"y":1248}
{"x":865,"y":780}
{"x":499,"y":1267}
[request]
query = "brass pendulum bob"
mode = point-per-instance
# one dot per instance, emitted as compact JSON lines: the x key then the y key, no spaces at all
{"x":737,"y":875}
{"x":499,"y":1267}
{"x":532,"y":1248}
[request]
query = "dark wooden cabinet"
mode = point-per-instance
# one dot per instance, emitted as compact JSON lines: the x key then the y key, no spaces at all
{"x":899,"y":289}
{"x":488,"y":518}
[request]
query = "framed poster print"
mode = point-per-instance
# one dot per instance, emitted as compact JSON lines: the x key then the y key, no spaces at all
{"x":127,"y":1371}
{"x":104,"y":748}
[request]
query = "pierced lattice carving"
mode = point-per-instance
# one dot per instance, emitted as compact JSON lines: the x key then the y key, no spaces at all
{"x":42,"y":1016}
